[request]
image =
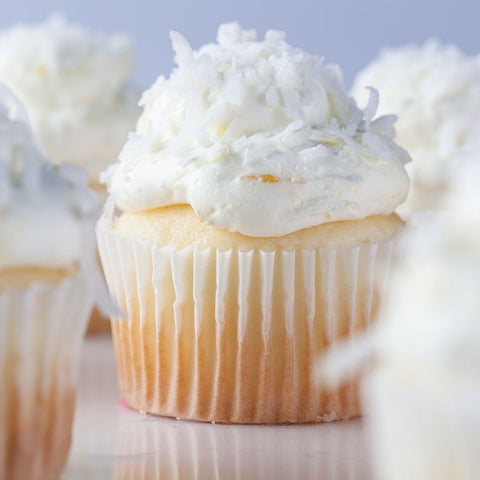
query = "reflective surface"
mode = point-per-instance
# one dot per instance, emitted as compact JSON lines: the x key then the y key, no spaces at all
{"x":114,"y":442}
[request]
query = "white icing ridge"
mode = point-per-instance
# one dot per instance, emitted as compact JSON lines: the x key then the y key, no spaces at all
{"x":435,"y":91}
{"x":259,"y":138}
{"x":47,"y":213}
{"x":73,"y":82}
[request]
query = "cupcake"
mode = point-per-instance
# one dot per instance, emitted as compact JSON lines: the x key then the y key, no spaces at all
{"x":424,"y":390}
{"x":435,"y":91}
{"x":74,"y":84}
{"x":47,"y":280}
{"x":250,"y":227}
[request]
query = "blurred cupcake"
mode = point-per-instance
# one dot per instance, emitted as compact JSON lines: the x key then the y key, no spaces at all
{"x":435,"y":91}
{"x":424,"y":391}
{"x":254,"y":231}
{"x":47,"y":276}
{"x":73,"y":82}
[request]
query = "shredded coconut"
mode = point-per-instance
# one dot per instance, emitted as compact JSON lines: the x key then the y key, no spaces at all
{"x":241,"y":108}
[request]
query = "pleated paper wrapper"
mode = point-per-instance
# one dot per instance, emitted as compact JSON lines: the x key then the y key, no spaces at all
{"x":420,"y":432}
{"x":41,"y":329}
{"x":232,"y":336}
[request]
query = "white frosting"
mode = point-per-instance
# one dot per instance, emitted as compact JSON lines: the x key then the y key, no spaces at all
{"x":47,"y":213}
{"x":259,"y":138}
{"x":435,"y":91}
{"x":72,"y":82}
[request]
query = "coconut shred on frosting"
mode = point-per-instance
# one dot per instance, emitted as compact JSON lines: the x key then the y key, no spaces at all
{"x":47,"y":212}
{"x":259,"y":138}
{"x":73,"y":83}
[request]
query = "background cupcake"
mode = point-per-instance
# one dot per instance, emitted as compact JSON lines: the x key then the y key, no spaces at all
{"x":424,"y":391}
{"x":257,"y":223}
{"x":73,"y":83}
{"x":47,"y":276}
{"x":422,"y":385}
{"x":435,"y":91}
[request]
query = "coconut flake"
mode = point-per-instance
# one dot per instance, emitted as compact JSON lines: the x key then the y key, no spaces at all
{"x":372,"y":106}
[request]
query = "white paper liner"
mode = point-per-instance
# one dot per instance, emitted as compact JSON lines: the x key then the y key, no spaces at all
{"x":41,"y":328}
{"x":233,"y":336}
{"x":416,"y":433}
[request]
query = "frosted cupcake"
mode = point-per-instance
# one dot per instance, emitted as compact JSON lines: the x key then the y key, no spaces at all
{"x":435,"y":91}
{"x":47,"y":276}
{"x":424,"y":391}
{"x":253,"y":229}
{"x":73,"y":82}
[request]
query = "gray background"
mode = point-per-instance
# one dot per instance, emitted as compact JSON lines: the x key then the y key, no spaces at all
{"x":347,"y":32}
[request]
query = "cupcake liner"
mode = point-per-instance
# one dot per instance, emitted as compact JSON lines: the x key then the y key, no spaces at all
{"x":41,"y":328}
{"x":231,"y":336}
{"x":422,"y":432}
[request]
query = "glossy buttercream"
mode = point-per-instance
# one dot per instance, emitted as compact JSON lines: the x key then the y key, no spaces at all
{"x":259,"y":138}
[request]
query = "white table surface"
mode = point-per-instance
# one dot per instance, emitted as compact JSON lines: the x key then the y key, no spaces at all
{"x":111,"y":441}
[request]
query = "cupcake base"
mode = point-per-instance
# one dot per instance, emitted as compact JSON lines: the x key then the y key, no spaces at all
{"x":234,"y":336}
{"x":36,"y":442}
{"x":224,"y":380}
{"x":43,"y":316}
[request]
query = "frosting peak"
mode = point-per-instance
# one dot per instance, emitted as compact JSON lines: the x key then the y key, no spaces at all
{"x":259,"y":138}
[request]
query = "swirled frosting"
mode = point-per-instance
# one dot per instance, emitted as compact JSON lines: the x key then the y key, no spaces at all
{"x":435,"y":91}
{"x":73,"y":83}
{"x":47,"y":212}
{"x":259,"y":138}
